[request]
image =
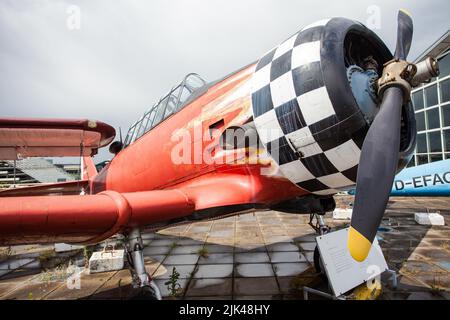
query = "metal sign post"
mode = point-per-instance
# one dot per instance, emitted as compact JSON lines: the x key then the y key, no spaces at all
{"x":14,"y":174}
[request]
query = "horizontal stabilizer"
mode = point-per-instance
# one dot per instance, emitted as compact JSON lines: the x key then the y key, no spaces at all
{"x":21,"y":138}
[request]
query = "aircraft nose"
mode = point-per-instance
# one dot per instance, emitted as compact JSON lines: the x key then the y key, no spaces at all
{"x":304,"y":107}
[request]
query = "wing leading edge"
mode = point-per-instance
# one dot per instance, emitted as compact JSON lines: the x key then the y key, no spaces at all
{"x":86,"y":219}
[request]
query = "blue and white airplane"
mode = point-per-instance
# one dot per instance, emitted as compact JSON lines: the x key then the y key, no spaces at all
{"x":427,"y":180}
{"x":431,"y":179}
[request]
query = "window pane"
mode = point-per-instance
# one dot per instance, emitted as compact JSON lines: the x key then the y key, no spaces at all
{"x":433,"y":118}
{"x":431,"y":96}
{"x":142,"y":127}
{"x":411,"y":163}
{"x":170,"y":106}
{"x":420,"y":120}
{"x":136,"y":131}
{"x":185,"y":94}
{"x":421,"y":143}
{"x":129,"y":135}
{"x":194,"y":81}
{"x":447,"y":156}
{"x":176,"y":92}
{"x":422,"y":159}
{"x":417,"y":99}
{"x":434,"y":141}
{"x":446,"y":115}
{"x":150,"y":119}
{"x":159,"y":112}
{"x":435,"y":157}
{"x":445,"y":90}
{"x":444,"y":66}
{"x":447,"y":140}
{"x":133,"y":136}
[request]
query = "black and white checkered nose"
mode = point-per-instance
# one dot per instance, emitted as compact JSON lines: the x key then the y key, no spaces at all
{"x":304,"y":110}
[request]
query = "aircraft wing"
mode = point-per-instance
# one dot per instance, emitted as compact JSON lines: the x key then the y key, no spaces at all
{"x":86,"y":219}
{"x":21,"y":138}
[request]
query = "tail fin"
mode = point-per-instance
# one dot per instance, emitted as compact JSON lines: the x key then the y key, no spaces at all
{"x":88,"y":169}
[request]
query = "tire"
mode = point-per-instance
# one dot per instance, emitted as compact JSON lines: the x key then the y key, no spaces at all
{"x":146,"y":293}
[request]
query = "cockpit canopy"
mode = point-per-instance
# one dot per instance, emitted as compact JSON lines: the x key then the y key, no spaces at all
{"x":171,"y":103}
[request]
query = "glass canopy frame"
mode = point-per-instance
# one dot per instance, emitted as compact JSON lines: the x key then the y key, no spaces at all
{"x":168,"y":105}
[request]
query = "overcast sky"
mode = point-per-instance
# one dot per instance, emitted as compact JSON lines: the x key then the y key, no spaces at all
{"x":126,"y":54}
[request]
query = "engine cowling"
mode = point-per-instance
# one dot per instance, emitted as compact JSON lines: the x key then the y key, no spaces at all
{"x":313,"y":100}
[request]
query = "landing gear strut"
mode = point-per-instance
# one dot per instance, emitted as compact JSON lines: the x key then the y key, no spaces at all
{"x":140,"y":278}
{"x":319,"y":227}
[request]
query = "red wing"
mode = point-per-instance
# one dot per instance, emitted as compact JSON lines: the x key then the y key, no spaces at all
{"x":52,"y":137}
{"x":93,"y":218}
{"x":52,"y":189}
{"x":88,"y":218}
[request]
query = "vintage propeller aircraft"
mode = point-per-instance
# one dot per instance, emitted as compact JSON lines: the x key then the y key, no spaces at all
{"x":327,"y":108}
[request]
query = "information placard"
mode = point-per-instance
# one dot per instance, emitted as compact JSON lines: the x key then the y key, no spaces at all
{"x":345,"y":273}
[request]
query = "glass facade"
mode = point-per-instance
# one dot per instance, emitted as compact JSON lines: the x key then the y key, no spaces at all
{"x":431,"y":103}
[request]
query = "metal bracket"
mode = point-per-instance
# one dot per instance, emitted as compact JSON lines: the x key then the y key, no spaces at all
{"x":392,"y":278}
{"x":426,"y":70}
{"x":308,"y":290}
{"x":397,"y":73}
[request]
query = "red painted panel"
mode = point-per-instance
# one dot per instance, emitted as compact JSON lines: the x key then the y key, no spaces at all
{"x":50,"y":189}
{"x":90,"y":218}
{"x":148,"y":164}
{"x":238,"y":185}
{"x":51,"y":137}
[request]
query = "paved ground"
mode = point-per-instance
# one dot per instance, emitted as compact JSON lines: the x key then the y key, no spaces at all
{"x":262,"y":255}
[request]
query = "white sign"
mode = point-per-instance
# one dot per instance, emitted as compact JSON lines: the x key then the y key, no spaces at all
{"x":345,"y":273}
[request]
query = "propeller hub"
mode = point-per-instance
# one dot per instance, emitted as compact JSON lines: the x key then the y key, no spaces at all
{"x":397,"y":73}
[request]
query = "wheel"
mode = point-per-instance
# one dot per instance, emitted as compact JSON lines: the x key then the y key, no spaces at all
{"x":145,"y":293}
{"x":149,"y":292}
{"x":318,"y":265}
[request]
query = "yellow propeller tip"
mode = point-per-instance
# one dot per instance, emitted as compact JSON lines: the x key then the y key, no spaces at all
{"x":358,"y":245}
{"x":406,"y":12}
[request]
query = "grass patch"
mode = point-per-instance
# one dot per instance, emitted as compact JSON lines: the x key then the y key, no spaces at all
{"x":172,"y":284}
{"x":45,"y":256}
{"x":87,"y":253}
{"x":59,"y":273}
{"x":203,"y":252}
{"x":173,"y":245}
{"x":5,"y":253}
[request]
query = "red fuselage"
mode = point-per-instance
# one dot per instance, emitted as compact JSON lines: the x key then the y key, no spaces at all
{"x":147,"y":164}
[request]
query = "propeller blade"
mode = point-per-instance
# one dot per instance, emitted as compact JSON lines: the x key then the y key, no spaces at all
{"x":376,"y":171}
{"x":404,"y":34}
{"x":379,"y":157}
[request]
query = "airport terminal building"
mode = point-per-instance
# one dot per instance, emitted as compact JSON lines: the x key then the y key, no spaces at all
{"x":432,"y":107}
